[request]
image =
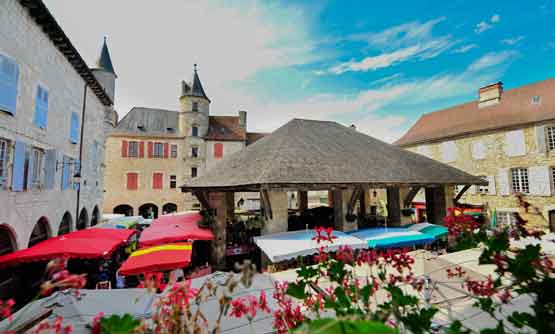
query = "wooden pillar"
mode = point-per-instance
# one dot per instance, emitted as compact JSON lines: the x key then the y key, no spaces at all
{"x":435,"y":204}
{"x":330,"y":198}
{"x":404,"y":193}
{"x":364,"y":203}
{"x":340,"y":207}
{"x":393,"y":206}
{"x":223,"y":205}
{"x":302,"y":197}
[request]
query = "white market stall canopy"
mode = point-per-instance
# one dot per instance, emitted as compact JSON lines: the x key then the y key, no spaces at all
{"x":289,"y":245}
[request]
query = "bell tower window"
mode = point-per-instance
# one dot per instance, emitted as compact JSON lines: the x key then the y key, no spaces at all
{"x":194,"y":131}
{"x":195,"y":106}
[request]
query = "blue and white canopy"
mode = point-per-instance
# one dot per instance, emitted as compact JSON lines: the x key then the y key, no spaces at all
{"x":289,"y":245}
{"x":391,"y":237}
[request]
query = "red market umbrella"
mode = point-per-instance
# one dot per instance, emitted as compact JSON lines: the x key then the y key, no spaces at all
{"x":84,"y":244}
{"x":174,"y":228}
{"x":158,"y":258}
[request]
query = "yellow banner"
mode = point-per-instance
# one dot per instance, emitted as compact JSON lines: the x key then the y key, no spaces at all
{"x":170,"y":247}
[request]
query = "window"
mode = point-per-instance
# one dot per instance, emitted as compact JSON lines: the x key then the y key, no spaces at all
{"x":157,"y":181}
{"x":194,"y":172}
{"x":74,"y":128}
{"x":37,"y":167}
{"x":173,"y":181}
{"x":41,"y":108}
{"x":505,"y":218}
{"x":484,"y":189}
{"x":194,"y":152}
{"x":536,"y":99}
{"x":520,"y":180}
{"x":3,"y":162}
{"x":218,"y":150}
{"x":552,"y":178}
{"x":551,"y":138}
{"x":174,"y":151}
{"x":194,"y":131}
{"x":67,"y":167}
{"x":133,"y":149}
{"x":132,"y":181}
{"x":449,"y":151}
{"x":158,"y":150}
{"x":9,"y":76}
{"x":195,"y":106}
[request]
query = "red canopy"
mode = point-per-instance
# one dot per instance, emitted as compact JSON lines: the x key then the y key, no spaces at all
{"x":84,"y":244}
{"x":174,"y":228}
{"x":158,"y":258}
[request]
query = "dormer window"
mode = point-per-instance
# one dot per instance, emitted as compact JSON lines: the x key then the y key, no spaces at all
{"x":141,"y":127}
{"x":536,"y":99}
{"x":195,"y":106}
{"x":170,"y":129}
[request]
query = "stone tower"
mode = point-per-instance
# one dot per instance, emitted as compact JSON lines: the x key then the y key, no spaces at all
{"x":104,"y":71}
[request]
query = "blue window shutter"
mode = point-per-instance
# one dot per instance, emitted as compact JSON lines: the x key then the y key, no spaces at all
{"x":18,"y":166}
{"x":41,"y":108}
{"x":9,"y":76}
{"x":74,"y":128}
{"x":50,"y":169}
{"x":65,"y":173}
{"x":30,"y":170}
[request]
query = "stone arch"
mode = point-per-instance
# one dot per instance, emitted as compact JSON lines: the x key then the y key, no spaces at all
{"x":95,"y":218}
{"x":169,"y":208}
{"x":124,"y":209}
{"x":66,"y":224}
{"x":40,"y":232}
{"x":83,"y":221}
{"x":148,"y":210}
{"x":8,"y":239}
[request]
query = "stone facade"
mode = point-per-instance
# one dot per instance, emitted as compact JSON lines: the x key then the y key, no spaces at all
{"x":40,"y":63}
{"x":201,"y":140}
{"x":499,"y":155}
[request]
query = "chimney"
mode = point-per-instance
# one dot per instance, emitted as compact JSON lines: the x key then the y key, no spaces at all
{"x":243,"y":119}
{"x":490,"y":94}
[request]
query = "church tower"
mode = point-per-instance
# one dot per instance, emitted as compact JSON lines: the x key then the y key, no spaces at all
{"x":194,"y":108}
{"x":104,"y":71}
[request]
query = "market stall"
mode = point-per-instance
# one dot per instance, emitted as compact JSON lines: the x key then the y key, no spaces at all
{"x":158,"y":258}
{"x":167,"y":229}
{"x":392,"y":237}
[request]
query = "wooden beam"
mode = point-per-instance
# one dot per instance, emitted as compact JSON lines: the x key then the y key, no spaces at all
{"x":410,"y":196}
{"x":202,"y":197}
{"x":352,"y":201}
{"x":460,"y":193}
{"x":266,"y":203}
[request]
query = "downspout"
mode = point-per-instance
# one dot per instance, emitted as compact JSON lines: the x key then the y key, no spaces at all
{"x":81,"y":152}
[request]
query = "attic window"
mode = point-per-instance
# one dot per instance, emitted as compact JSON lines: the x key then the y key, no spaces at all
{"x":141,"y":127}
{"x":536,"y":99}
{"x":170,"y":129}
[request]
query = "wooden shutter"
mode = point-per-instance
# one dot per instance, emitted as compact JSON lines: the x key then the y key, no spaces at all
{"x":74,"y":128}
{"x":9,"y":76}
{"x":540,"y":138}
{"x":218,"y":150}
{"x":503,"y":181}
{"x":141,"y":149}
{"x":50,"y":169}
{"x":41,"y":108}
{"x":18,"y":166}
{"x":30,"y":168}
{"x":491,"y":185}
{"x":150,"y":148}
{"x":65,"y":173}
{"x":132,"y":181}
{"x":157,"y":180}
{"x":166,"y":150}
{"x":124,"y":148}
{"x":539,"y":181}
{"x":515,"y":144}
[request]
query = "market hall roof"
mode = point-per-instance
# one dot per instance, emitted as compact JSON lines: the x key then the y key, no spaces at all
{"x":319,"y":154}
{"x":519,"y":106}
{"x":44,"y":19}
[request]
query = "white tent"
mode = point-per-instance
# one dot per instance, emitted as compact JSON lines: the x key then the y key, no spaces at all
{"x":289,"y":245}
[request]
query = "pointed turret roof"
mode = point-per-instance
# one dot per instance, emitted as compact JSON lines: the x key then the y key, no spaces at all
{"x":197,"y":89}
{"x":104,"y":62}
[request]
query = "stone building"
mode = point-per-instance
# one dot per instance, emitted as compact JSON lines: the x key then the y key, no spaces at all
{"x":153,"y":151}
{"x":54,"y":112}
{"x":508,"y":138}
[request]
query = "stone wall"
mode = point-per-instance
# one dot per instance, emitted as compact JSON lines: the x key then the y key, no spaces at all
{"x":41,"y":63}
{"x":492,"y":155}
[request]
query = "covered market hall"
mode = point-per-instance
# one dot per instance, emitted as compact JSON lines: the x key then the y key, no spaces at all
{"x":308,"y":155}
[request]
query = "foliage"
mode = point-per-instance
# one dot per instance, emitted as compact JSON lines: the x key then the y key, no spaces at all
{"x":466,"y":231}
{"x":116,"y":324}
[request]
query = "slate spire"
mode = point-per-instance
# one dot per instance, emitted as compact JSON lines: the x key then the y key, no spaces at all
{"x":197,"y":89}
{"x":104,"y":62}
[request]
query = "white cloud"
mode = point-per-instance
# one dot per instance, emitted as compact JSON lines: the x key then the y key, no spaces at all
{"x":512,"y":41}
{"x":465,"y":48}
{"x":408,"y":41}
{"x":492,"y":59}
{"x":486,"y":25}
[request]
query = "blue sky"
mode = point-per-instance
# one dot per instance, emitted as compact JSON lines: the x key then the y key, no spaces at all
{"x":378,"y":65}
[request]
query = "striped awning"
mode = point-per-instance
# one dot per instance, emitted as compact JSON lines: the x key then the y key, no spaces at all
{"x":158,"y":258}
{"x":392,"y":237}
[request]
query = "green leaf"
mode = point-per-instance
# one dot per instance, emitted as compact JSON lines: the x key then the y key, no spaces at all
{"x":307,"y":272}
{"x":337,"y":271}
{"x":419,"y":322}
{"x":119,"y":325}
{"x":500,"y":329}
{"x":456,"y":328}
{"x":335,"y":326}
{"x":296,"y":290}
